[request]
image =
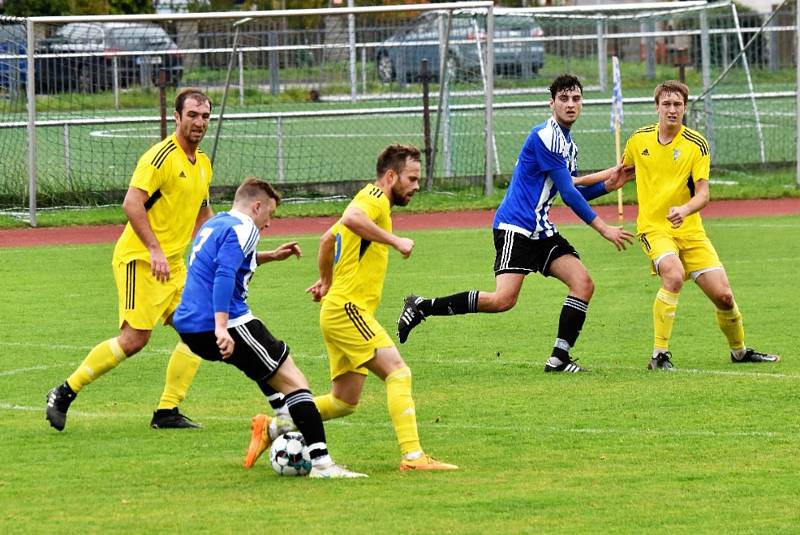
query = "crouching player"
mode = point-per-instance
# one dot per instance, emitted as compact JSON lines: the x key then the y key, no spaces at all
{"x":214,"y":320}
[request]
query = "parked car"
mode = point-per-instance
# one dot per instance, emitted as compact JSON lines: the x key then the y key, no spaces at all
{"x":88,"y":53}
{"x":13,"y":70}
{"x":403,"y":51}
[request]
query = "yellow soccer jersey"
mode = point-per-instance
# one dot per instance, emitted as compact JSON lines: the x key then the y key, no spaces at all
{"x":666,"y":175}
{"x":178,"y":189}
{"x":359,"y":266}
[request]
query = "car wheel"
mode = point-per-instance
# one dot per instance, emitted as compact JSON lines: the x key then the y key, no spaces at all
{"x":385,"y":68}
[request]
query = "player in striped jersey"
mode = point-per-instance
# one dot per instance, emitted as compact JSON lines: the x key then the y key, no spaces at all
{"x":525,"y":239}
{"x":672,"y":170}
{"x":166,"y":201}
{"x":353,"y":256}
{"x":215,"y":321}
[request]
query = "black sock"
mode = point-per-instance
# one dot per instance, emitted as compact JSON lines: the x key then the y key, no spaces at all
{"x":460,"y":303}
{"x":570,"y":323}
{"x":276,"y":399}
{"x":308,"y":421}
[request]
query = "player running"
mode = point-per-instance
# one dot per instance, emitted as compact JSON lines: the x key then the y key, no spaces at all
{"x":525,"y":239}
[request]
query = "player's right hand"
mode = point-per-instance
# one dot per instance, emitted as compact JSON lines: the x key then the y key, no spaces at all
{"x":318,"y":290}
{"x":159,"y":266}
{"x":404,"y":246}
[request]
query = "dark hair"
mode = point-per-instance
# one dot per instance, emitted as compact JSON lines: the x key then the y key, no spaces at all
{"x":565,"y":82}
{"x":394,"y":157}
{"x":252,"y":187}
{"x":672,"y":86}
{"x":193,"y":93}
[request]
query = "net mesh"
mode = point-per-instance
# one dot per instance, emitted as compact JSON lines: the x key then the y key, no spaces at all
{"x":311,"y":100}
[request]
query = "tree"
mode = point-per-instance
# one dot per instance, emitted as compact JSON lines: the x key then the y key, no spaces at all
{"x":36,"y":8}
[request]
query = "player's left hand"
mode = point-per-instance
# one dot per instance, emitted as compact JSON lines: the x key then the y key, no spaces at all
{"x":676,"y":215}
{"x":286,"y":250}
{"x":225,"y":342}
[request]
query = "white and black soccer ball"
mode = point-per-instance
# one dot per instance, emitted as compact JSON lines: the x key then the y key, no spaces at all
{"x":289,"y":455}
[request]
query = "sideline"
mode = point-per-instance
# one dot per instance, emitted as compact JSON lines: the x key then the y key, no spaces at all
{"x":296,"y":226}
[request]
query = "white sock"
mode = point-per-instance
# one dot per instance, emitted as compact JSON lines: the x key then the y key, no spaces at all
{"x":413,"y":455}
{"x":322,"y":462}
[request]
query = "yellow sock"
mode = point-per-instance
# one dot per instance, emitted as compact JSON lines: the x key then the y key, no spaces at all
{"x":330,"y":407}
{"x":103,"y":357}
{"x":664,"y":308}
{"x":401,"y":409}
{"x":181,"y":370}
{"x":731,"y":325}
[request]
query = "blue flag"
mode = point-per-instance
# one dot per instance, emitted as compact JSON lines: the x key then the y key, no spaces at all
{"x":616,"y":93}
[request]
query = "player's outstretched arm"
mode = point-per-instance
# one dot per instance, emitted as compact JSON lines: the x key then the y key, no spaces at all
{"x":359,"y":222}
{"x":284,"y":251}
{"x":614,"y":177}
{"x":620,"y":237}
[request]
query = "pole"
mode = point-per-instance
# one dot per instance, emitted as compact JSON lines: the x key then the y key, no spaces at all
{"x":162,"y":100}
{"x":426,"y":119}
{"x":351,"y":41}
{"x":617,"y":151}
{"x":30,"y":89}
{"x":231,"y":59}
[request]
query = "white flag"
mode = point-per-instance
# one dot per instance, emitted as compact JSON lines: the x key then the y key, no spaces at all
{"x":616,"y":93}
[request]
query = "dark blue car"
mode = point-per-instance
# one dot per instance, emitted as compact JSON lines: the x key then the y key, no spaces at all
{"x":13,"y":65}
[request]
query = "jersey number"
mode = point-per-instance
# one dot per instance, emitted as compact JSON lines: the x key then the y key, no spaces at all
{"x":202,"y":236}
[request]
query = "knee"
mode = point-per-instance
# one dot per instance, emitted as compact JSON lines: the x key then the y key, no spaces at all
{"x":583,"y":288}
{"x":133,"y":343}
{"x":725,"y":301}
{"x":673,"y":280}
{"x":502,"y":302}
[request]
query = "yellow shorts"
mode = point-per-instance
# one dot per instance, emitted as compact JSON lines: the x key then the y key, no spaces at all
{"x":695,"y":252}
{"x":351,"y":336}
{"x":142,"y":299}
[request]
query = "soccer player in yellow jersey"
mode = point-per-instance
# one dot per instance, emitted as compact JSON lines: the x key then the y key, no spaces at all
{"x":166,"y":201}
{"x":672,"y":169}
{"x":352,"y":259}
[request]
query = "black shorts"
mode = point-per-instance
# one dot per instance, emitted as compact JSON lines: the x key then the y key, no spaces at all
{"x":255,"y":351}
{"x":517,"y":253}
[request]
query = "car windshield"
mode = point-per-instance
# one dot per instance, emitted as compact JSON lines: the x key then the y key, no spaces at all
{"x":132,"y":37}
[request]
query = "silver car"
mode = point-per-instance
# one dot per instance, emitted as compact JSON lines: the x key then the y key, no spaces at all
{"x":515,"y":54}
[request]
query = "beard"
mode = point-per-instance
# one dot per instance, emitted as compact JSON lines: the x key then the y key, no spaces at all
{"x":399,"y":198}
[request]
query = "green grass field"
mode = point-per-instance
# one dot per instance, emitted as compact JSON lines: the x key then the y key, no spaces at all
{"x":711,"y":448}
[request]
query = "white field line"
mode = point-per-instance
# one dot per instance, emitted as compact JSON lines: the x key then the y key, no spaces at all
{"x":444,"y":360}
{"x":4,"y":406}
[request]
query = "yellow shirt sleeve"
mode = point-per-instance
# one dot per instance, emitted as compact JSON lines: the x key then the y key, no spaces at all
{"x":701,"y":170}
{"x":146,"y":176}
{"x":370,"y":205}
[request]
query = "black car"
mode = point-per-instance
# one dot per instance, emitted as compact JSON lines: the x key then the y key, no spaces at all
{"x":515,"y":53}
{"x":86,"y":57}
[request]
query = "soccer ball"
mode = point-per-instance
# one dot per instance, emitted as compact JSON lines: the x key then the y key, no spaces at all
{"x":289,"y":455}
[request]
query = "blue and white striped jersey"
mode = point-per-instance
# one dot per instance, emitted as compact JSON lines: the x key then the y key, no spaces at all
{"x":221,"y":265}
{"x":545,"y":166}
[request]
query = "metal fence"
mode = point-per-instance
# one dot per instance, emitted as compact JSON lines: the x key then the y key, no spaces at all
{"x":312,"y":96}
